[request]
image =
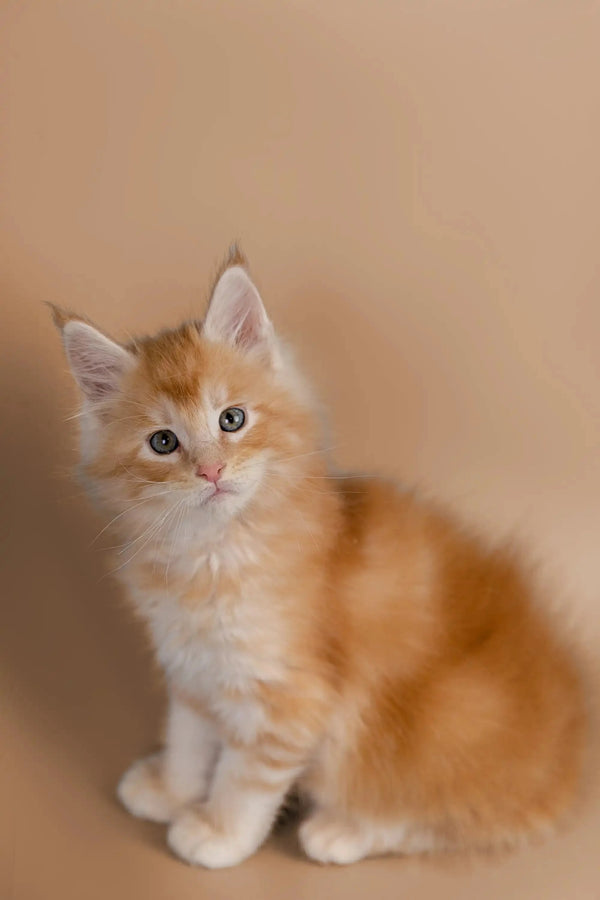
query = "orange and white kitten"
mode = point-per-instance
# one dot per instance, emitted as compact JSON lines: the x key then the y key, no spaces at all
{"x":333,"y":635}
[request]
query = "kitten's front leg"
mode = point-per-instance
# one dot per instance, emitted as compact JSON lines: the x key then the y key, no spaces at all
{"x":249,"y":786}
{"x":156,"y":786}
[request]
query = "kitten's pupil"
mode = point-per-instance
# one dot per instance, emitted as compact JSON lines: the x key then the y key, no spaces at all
{"x":232,"y":419}
{"x":164,"y":441}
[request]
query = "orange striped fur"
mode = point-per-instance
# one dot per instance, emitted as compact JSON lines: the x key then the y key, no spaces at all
{"x":335,"y":635}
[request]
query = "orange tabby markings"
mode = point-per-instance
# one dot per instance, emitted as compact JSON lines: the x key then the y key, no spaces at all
{"x":334,"y":634}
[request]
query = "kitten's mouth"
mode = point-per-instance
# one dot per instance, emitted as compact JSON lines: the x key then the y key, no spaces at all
{"x":214,"y":494}
{"x":220,"y":491}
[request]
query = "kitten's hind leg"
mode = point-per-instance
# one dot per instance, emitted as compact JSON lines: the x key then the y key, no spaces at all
{"x":156,"y":786}
{"x":328,"y":837}
{"x":143,"y":792}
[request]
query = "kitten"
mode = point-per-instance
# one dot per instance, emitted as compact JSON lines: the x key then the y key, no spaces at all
{"x":330,"y":634}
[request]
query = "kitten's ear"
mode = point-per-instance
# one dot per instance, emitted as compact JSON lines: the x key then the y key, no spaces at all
{"x":236,"y":314}
{"x":97,"y":362}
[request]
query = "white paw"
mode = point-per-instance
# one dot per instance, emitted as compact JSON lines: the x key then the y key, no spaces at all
{"x":142,"y":792}
{"x":193,"y":838}
{"x":330,"y":840}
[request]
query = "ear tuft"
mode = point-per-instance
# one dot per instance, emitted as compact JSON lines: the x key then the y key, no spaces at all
{"x":236,"y":315}
{"x":60,"y":316}
{"x":235,"y":256}
{"x":97,"y":362}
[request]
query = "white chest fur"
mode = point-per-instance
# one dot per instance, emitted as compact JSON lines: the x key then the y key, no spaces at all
{"x":219,"y":649}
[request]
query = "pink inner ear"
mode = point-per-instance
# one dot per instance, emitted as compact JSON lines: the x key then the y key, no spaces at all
{"x":236,"y":314}
{"x":249,"y":330}
{"x":96,"y":361}
{"x":100,"y":380}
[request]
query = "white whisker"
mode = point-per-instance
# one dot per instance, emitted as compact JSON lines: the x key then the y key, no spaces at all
{"x":322,"y":450}
{"x":153,"y":532}
{"x":175,"y":536}
{"x":130,"y":509}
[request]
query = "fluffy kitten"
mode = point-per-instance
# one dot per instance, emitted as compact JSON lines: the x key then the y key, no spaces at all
{"x":330,"y":634}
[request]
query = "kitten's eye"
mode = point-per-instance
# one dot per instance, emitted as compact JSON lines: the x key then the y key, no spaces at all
{"x":232,"y":419}
{"x":164,"y":441}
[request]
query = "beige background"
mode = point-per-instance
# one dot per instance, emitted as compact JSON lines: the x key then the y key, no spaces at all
{"x":416,"y":183}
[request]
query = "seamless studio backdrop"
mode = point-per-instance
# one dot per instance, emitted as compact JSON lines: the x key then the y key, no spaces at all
{"x":416,"y":185}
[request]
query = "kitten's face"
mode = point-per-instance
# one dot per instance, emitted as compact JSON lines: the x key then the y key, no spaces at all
{"x":205,"y":417}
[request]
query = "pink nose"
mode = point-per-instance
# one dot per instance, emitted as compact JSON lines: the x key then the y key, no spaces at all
{"x":211,"y":472}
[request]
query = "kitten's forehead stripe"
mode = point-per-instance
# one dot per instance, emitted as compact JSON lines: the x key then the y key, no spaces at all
{"x":173,"y":363}
{"x":182,"y":366}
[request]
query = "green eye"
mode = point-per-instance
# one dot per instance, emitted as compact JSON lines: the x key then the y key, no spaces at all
{"x":163,"y":441}
{"x":232,"y":419}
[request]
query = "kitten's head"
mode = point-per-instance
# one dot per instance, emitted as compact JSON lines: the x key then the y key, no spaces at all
{"x":211,"y":414}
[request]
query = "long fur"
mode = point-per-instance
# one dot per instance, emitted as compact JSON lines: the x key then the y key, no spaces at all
{"x":327,"y":635}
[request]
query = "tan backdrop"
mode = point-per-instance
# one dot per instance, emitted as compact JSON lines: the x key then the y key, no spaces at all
{"x":416,"y":184}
